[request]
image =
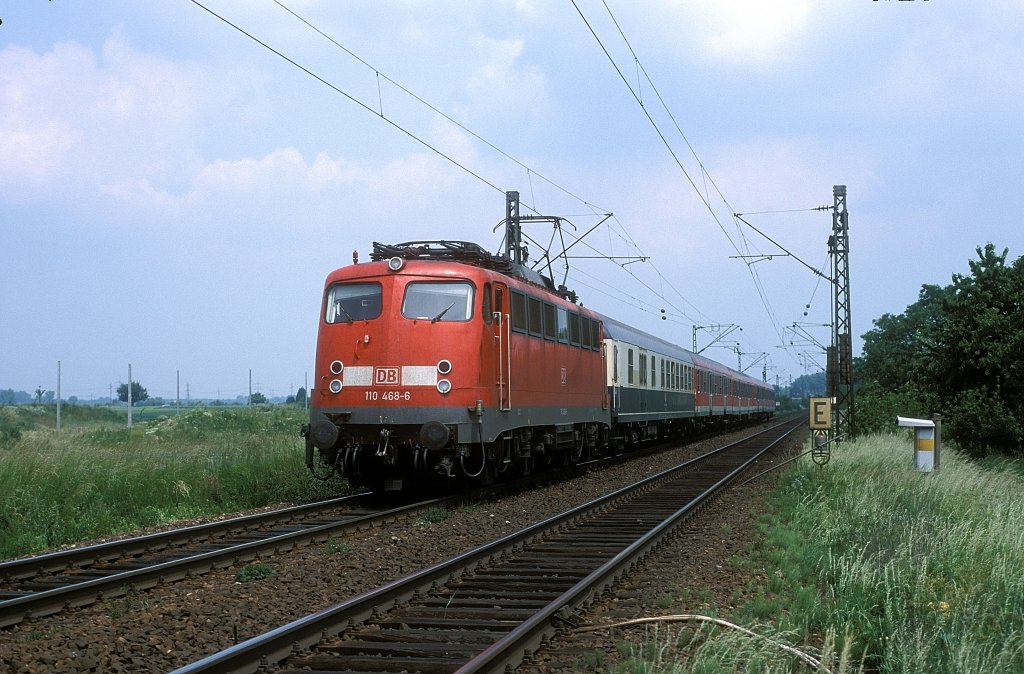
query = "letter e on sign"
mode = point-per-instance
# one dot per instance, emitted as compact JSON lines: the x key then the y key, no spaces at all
{"x":821,"y":413}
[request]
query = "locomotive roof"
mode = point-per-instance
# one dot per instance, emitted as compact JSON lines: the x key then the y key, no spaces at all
{"x":469,"y":253}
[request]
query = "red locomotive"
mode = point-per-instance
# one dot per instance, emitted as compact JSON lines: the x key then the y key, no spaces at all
{"x":439,"y":360}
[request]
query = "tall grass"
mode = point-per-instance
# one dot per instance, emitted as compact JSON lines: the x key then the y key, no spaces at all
{"x":99,"y":479}
{"x":876,"y":566}
{"x":923,"y":571}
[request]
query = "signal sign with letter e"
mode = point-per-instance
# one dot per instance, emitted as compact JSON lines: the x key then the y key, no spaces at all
{"x":821,"y":413}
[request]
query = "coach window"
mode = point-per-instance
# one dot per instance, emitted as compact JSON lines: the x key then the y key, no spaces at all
{"x":563,"y":325}
{"x":486,"y":308}
{"x":518,"y":306}
{"x":585,"y":333}
{"x":643,"y":369}
{"x":574,"y":328}
{"x":654,"y":378}
{"x":438,"y":301}
{"x":350,"y":302}
{"x":550,"y":327}
{"x":629,"y":366}
{"x":536,"y":316}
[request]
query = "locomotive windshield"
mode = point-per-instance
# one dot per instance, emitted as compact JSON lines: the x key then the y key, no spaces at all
{"x":438,"y":301}
{"x":349,"y":302}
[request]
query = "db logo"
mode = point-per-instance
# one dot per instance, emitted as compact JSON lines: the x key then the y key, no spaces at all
{"x":385,"y":376}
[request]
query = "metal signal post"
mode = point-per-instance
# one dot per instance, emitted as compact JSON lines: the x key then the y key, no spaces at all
{"x":839,"y":356}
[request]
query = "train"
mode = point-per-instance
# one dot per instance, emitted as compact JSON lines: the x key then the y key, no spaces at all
{"x":440,"y":362}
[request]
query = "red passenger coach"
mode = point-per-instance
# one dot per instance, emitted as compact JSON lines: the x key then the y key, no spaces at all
{"x":440,"y":360}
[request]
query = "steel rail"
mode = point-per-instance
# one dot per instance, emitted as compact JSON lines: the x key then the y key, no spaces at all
{"x":307,"y":632}
{"x":47,"y":602}
{"x":510,"y":650}
{"x":51,"y":562}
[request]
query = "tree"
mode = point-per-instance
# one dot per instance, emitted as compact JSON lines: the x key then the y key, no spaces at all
{"x":300,"y":396}
{"x":958,"y":350}
{"x":138,"y":393}
{"x":257,"y":399}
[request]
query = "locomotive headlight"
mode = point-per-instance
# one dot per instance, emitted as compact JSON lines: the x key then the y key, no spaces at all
{"x":396,"y":263}
{"x":335,"y":386}
{"x":337,"y":367}
{"x":444,"y":366}
{"x":443,"y":386}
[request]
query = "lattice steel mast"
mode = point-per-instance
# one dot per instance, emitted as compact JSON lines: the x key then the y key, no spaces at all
{"x":839,"y":364}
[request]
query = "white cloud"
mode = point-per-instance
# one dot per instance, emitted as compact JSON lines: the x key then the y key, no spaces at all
{"x":742,"y":30}
{"x":70,"y":121}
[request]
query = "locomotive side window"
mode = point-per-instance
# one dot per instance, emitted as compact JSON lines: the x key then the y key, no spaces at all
{"x":518,"y":303}
{"x":350,"y":302}
{"x":563,"y":325}
{"x":574,"y":328}
{"x":595,"y":335}
{"x":438,"y":301}
{"x":486,"y":308}
{"x":535,"y":316}
{"x":550,"y":327}
{"x":585,"y":332}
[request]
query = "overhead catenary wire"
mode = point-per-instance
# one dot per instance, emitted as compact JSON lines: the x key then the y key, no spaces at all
{"x":379,"y":111}
{"x":349,"y":96}
{"x":706,"y":176}
{"x":530,"y":172}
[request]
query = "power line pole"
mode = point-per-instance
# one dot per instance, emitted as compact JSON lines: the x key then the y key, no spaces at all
{"x":58,"y":395}
{"x":129,"y":395}
{"x":839,"y":359}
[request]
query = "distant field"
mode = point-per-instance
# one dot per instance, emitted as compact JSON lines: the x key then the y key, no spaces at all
{"x":96,"y":477}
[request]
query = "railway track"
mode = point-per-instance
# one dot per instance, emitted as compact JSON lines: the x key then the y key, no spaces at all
{"x":486,"y":609}
{"x":42,"y":585}
{"x":46,"y":584}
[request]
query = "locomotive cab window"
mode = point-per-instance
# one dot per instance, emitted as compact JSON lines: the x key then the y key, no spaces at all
{"x":438,"y":301}
{"x":350,"y":302}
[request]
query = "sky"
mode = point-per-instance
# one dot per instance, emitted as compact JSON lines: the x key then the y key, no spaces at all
{"x":173,"y":193}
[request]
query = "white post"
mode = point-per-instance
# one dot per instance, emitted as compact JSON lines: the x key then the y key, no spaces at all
{"x":58,"y":395}
{"x":129,"y":395}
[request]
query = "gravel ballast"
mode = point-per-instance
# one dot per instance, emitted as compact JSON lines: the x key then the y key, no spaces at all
{"x":173,"y":625}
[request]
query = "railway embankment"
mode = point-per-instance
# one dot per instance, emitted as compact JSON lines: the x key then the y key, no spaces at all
{"x":876,"y":564}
